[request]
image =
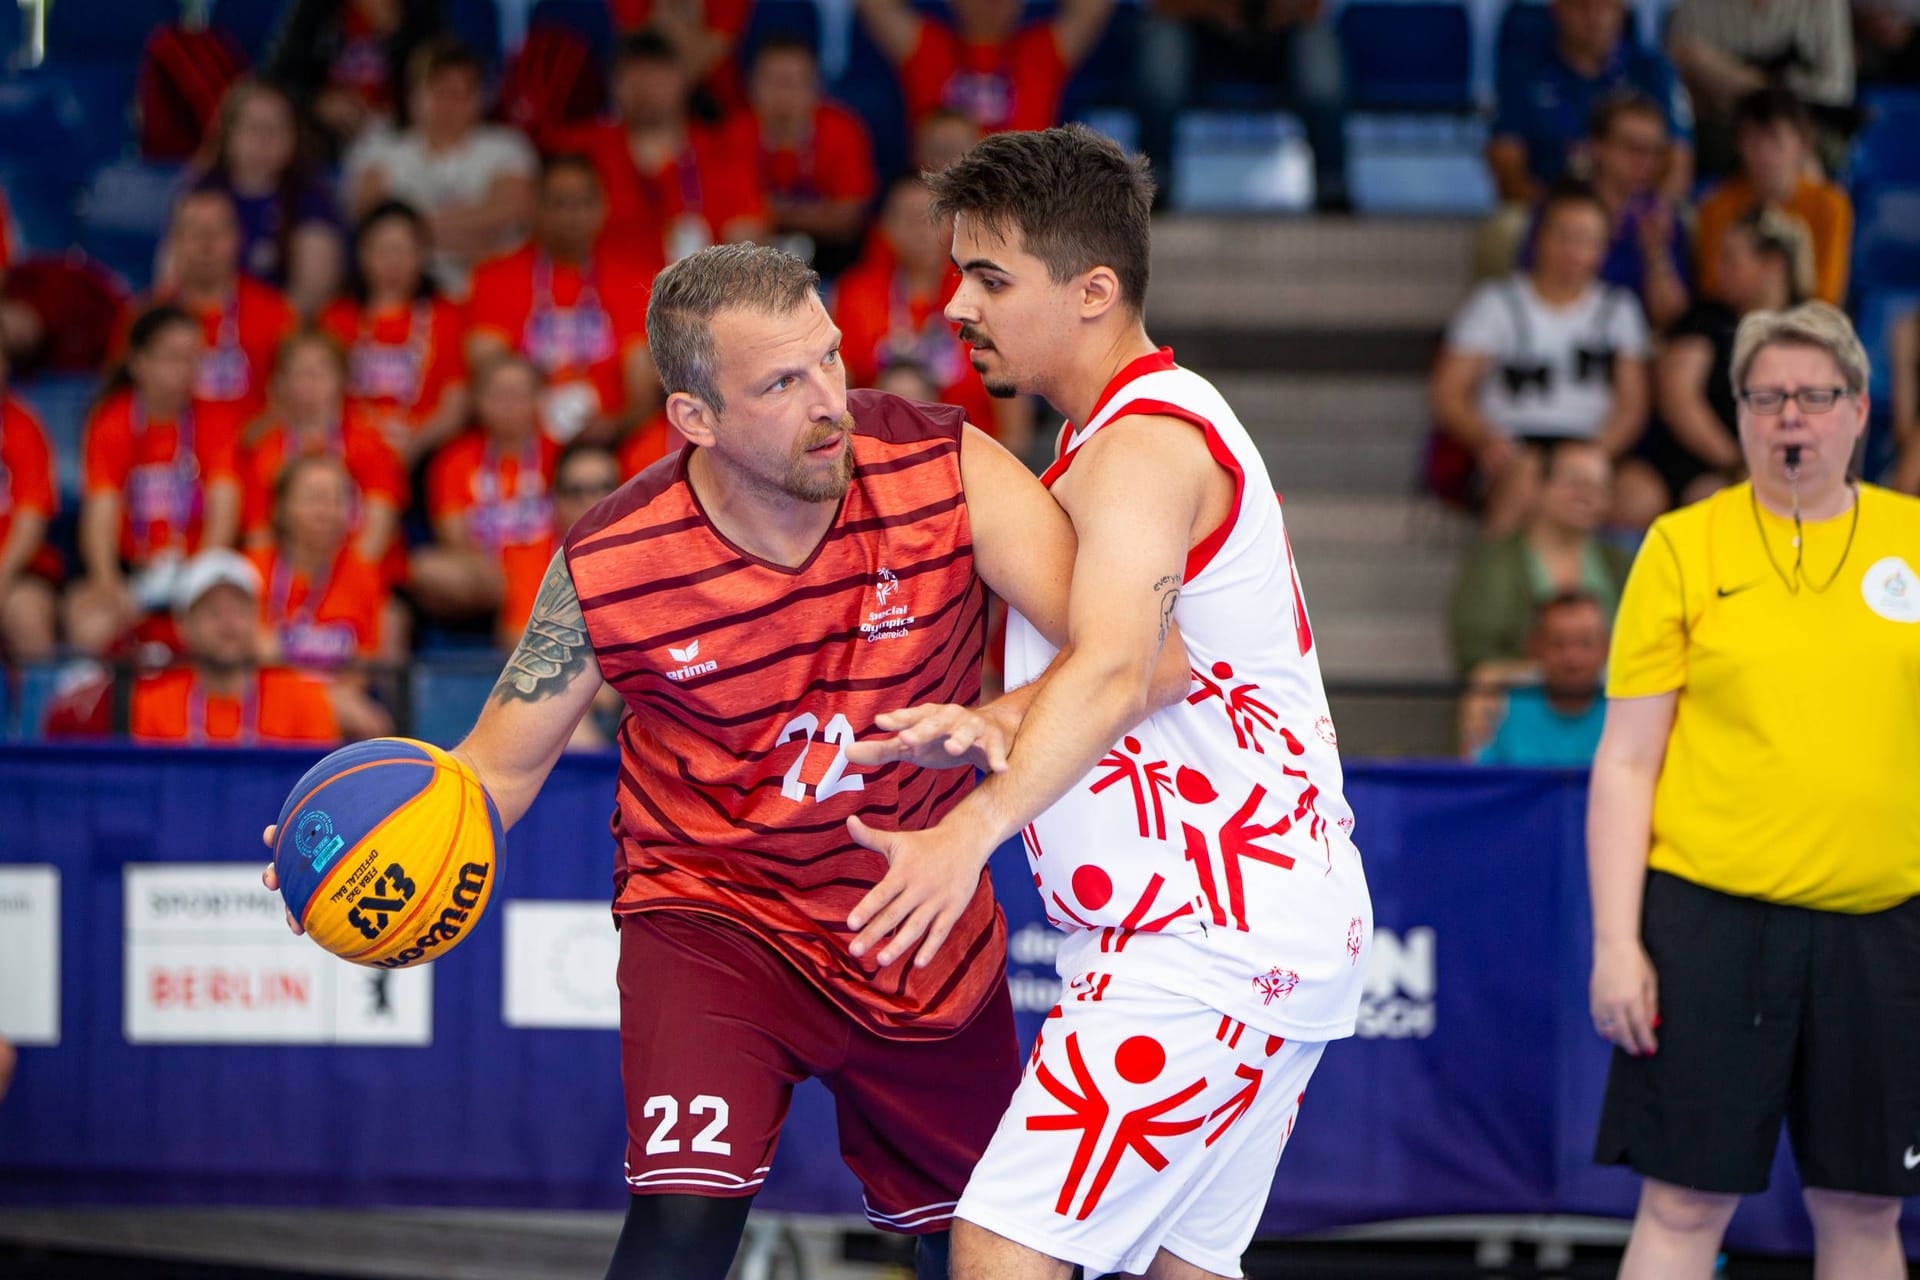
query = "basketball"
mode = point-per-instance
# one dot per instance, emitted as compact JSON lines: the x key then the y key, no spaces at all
{"x":385,"y":852}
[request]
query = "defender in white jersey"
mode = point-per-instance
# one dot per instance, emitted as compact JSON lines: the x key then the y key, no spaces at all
{"x":1201,"y":861}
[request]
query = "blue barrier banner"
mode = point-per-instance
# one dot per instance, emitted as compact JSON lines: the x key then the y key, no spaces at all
{"x":178,"y":1047}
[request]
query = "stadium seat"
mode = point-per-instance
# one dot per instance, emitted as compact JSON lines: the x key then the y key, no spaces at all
{"x":62,"y":403}
{"x":87,"y":32}
{"x":1106,"y":78}
{"x":477,"y":23}
{"x":253,"y":23}
{"x":447,"y":694}
{"x":1237,"y":162}
{"x":792,"y":19}
{"x":35,"y":688}
{"x":123,"y":213}
{"x":1416,"y":56}
{"x":868,"y":86}
{"x":1884,"y":155}
{"x":1878,"y":308}
{"x":588,"y":19}
{"x":41,"y":205}
{"x":1418,"y":164}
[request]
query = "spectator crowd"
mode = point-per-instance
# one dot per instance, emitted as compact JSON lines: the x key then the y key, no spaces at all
{"x":395,"y":339}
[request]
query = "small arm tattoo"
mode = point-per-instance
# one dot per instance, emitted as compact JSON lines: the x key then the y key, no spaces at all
{"x":554,"y":648}
{"x":1167,"y":602}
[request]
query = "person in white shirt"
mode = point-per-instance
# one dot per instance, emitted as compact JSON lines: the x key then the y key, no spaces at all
{"x":473,"y":181}
{"x":1544,"y":355}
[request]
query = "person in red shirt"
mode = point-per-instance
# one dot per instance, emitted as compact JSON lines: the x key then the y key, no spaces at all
{"x":242,"y":321}
{"x":489,"y":497}
{"x":159,"y":477}
{"x":27,"y":503}
{"x":983,"y":63}
{"x":311,"y":416}
{"x":704,"y":34}
{"x":220,"y":694}
{"x":668,"y":180}
{"x":888,"y":308}
{"x":815,"y":157}
{"x":322,"y":605}
{"x":575,"y":303}
{"x":405,"y":367}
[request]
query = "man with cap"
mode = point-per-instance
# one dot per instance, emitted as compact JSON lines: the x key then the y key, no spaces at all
{"x":218,"y":693}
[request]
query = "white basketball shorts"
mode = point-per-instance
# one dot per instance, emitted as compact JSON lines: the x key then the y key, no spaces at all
{"x":1145,"y":1121}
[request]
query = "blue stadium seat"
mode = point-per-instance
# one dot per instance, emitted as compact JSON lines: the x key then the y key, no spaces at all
{"x":41,"y":205}
{"x":1241,"y":162}
{"x":1415,"y":56}
{"x":1884,"y":155}
{"x":253,"y":23}
{"x":1418,"y":164}
{"x":75,"y":116}
{"x":1106,"y":78}
{"x":588,"y":19}
{"x":477,"y":23}
{"x":447,"y":695}
{"x":123,"y":213}
{"x":36,"y":688}
{"x":86,"y":31}
{"x":62,"y":401}
{"x":869,"y":87}
{"x":792,"y":19}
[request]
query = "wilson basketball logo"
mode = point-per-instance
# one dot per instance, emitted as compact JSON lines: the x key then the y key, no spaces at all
{"x":467,"y":894}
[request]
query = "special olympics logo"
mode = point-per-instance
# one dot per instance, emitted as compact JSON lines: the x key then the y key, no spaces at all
{"x":1276,"y":984}
{"x":314,"y":838}
{"x":884,"y":585}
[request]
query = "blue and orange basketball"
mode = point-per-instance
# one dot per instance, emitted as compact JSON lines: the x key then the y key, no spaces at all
{"x":386,"y":852}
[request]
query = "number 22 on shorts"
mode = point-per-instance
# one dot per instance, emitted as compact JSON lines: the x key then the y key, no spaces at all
{"x":667,"y":1107}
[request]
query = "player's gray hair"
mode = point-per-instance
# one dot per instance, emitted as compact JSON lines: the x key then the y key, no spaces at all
{"x":691,"y":292}
{"x":1811,"y":324}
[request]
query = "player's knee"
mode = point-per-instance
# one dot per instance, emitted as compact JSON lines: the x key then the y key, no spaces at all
{"x":980,"y":1254}
{"x":1684,"y":1211}
{"x":1848,"y":1213}
{"x":679,"y":1238}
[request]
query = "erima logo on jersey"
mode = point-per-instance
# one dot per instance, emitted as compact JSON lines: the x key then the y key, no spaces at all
{"x":689,"y":667}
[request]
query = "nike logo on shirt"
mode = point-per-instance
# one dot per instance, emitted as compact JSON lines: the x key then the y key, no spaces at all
{"x":1911,"y":1158}
{"x":1734,"y":591}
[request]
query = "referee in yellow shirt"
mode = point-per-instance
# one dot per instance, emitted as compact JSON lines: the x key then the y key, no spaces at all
{"x":1753,"y":832}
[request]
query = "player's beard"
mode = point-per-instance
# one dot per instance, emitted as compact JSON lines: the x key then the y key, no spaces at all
{"x":804,"y":481}
{"x":1000,"y":388}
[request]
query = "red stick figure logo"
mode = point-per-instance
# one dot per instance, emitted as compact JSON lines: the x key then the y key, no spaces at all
{"x":1149,"y":783}
{"x":1139,"y":1060}
{"x":1246,"y":713}
{"x":1276,"y":984}
{"x":1238,"y":842}
{"x":1353,"y":941}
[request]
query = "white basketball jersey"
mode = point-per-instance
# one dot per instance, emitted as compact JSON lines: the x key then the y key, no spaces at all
{"x":1210,"y":852}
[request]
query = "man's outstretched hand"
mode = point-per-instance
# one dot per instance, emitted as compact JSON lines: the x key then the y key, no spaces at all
{"x":937,"y":735}
{"x":931,"y":877}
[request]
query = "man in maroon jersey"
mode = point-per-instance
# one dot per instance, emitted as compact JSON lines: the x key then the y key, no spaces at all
{"x":811,"y":557}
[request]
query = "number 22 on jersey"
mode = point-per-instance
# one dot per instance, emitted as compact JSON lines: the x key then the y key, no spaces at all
{"x":838,"y":732}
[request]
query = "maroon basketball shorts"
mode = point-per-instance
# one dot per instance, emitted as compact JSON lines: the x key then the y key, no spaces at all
{"x":715,"y":1030}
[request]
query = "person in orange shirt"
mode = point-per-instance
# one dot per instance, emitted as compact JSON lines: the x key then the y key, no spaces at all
{"x":984,"y":63}
{"x":160,"y":480}
{"x":220,"y":694}
{"x":405,"y":368}
{"x":704,"y":34}
{"x":27,"y":503}
{"x":1774,"y":136}
{"x":815,"y":157}
{"x":888,"y":308}
{"x":489,"y":497}
{"x":321,"y":608}
{"x":575,"y":304}
{"x":311,"y":416}
{"x":668,"y":180}
{"x":242,"y":321}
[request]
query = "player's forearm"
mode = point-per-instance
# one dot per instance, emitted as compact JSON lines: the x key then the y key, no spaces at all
{"x":1083,"y":707}
{"x":1619,"y":828}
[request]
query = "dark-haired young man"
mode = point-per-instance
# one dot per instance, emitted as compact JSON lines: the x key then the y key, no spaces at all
{"x":1202,"y":864}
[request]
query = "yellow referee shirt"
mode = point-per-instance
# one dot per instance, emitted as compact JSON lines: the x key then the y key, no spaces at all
{"x":1793,"y":771}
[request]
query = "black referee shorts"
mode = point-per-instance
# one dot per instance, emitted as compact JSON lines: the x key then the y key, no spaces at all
{"x":1770,"y":1013}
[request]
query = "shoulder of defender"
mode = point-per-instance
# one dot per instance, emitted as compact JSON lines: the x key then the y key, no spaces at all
{"x":892,"y":419}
